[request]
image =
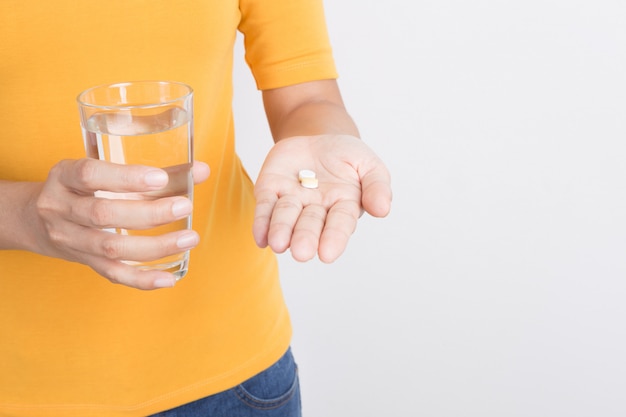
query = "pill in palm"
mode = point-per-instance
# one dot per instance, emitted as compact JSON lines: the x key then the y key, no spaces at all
{"x":309,"y":182}
{"x":306,"y":173}
{"x":307,"y":178}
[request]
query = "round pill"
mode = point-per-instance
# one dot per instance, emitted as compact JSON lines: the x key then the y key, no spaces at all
{"x":305,"y":173}
{"x":309,"y":182}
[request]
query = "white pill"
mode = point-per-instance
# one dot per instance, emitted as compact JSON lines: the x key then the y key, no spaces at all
{"x":309,"y":182}
{"x":306,"y":173}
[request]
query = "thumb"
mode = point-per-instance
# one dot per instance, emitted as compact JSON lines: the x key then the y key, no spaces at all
{"x":376,"y":194}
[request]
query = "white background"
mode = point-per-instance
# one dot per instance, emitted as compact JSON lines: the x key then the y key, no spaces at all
{"x":497,"y":285}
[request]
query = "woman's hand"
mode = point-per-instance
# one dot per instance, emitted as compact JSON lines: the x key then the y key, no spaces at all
{"x":352,"y":179}
{"x":65,"y":219}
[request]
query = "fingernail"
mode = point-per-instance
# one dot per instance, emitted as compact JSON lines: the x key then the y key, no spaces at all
{"x":164,"y":282}
{"x":187,"y":241}
{"x":182,"y":208}
{"x":156,"y":178}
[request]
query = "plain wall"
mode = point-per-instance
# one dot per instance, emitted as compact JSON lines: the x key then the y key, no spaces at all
{"x":496,"y":287}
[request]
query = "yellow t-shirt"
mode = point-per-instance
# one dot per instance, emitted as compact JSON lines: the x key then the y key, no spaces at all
{"x":73,"y":344}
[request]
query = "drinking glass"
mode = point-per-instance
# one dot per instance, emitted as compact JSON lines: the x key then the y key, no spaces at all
{"x":144,"y":123}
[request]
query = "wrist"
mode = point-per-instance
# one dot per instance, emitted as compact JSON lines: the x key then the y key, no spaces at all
{"x":18,"y":218}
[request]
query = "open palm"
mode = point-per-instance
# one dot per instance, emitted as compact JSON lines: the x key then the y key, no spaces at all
{"x":352,"y":179}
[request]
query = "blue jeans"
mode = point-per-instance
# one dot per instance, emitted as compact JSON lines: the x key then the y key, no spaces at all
{"x":274,"y":392}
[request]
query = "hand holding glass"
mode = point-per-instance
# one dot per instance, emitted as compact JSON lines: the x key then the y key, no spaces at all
{"x":144,"y":123}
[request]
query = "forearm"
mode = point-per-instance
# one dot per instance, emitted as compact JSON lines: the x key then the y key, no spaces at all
{"x":18,"y":199}
{"x":308,"y":109}
{"x":322,"y":137}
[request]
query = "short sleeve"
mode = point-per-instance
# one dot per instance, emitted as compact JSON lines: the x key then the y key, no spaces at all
{"x":286,"y":42}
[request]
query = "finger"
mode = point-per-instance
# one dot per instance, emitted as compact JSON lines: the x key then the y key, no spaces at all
{"x":262,"y":216}
{"x":284,"y":217}
{"x":200,"y":172}
{"x":340,"y":224}
{"x":88,"y":175}
{"x":376,"y":192}
{"x":306,"y":234}
{"x":128,"y":214}
{"x":117,"y":247}
{"x":130,"y":276}
{"x":179,"y":181}
{"x":103,"y":252}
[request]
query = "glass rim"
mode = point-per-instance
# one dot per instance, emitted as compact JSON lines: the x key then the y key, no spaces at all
{"x":81,"y":101}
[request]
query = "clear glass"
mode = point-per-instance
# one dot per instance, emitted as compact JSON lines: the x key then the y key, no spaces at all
{"x":145,"y":123}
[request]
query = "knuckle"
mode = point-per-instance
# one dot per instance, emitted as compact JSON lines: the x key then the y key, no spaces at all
{"x":315,"y":212}
{"x":265,"y":200}
{"x":57,"y":169}
{"x":112,"y":247}
{"x":120,"y":276}
{"x":45,"y":203}
{"x":288,"y":203}
{"x":110,"y":271}
{"x":159,"y":214}
{"x":101,"y":212}
{"x":85,"y":170}
{"x":340,"y":231}
{"x":162,"y":246}
{"x":347,"y":211}
{"x":56,"y":238}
